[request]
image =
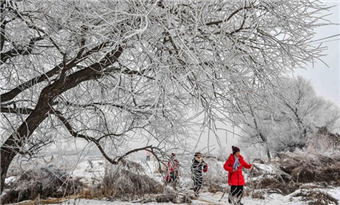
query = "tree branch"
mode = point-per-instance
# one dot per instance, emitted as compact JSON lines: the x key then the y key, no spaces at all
{"x":20,"y":88}
{"x":23,"y":111}
{"x":230,"y":16}
{"x":15,"y":52}
{"x":92,"y":72}
{"x":87,"y":138}
{"x":116,"y":160}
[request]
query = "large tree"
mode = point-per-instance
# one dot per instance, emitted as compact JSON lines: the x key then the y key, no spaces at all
{"x":108,"y":69}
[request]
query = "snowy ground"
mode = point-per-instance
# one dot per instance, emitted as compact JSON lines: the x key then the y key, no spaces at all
{"x":92,"y":171}
{"x":209,"y":198}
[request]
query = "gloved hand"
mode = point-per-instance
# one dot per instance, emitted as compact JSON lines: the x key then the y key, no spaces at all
{"x":252,"y":167}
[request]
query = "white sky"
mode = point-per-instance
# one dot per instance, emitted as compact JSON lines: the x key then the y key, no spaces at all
{"x":326,"y":80}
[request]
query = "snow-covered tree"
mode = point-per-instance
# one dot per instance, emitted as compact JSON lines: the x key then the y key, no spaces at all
{"x":285,"y":120}
{"x":108,"y":71}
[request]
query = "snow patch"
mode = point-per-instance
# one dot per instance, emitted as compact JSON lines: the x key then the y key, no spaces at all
{"x":10,"y":179}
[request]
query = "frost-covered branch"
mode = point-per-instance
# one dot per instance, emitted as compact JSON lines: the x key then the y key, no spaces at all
{"x":145,"y":67}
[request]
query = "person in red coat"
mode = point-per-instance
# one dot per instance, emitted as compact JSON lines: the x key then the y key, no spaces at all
{"x":234,"y":165}
{"x":172,"y":170}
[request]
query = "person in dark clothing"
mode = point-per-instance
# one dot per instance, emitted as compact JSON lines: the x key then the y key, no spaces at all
{"x":234,"y":165}
{"x":196,"y":170}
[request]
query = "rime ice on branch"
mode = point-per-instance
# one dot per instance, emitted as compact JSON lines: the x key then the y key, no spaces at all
{"x":108,"y":72}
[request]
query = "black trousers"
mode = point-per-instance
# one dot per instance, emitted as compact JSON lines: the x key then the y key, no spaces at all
{"x":172,"y":177}
{"x":197,"y":182}
{"x":236,"y":192}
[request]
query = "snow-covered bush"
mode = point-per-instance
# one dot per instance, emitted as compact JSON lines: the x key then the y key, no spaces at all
{"x":128,"y":180}
{"x":324,"y":141}
{"x":311,"y":167}
{"x":43,"y":182}
{"x":293,"y":172}
{"x":269,"y":178}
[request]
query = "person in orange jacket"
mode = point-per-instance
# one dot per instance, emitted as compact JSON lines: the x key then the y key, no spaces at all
{"x":234,"y":165}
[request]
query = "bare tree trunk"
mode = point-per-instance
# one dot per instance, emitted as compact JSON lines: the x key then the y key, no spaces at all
{"x":264,"y":139}
{"x":258,"y":129}
{"x":7,"y":156}
{"x":268,"y":152}
{"x":11,"y":147}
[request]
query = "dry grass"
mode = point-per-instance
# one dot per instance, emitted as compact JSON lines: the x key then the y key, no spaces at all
{"x":311,"y":167}
{"x":91,"y":193}
{"x":169,"y":195}
{"x":258,"y":194}
{"x":274,"y":182}
{"x":39,"y":201}
{"x":276,"y":185}
{"x":213,"y":188}
{"x":314,"y":197}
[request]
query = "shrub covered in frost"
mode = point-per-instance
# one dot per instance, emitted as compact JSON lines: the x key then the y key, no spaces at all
{"x":43,"y":182}
{"x":128,"y":180}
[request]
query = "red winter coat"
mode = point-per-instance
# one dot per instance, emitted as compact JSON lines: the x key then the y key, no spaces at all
{"x":173,"y":166}
{"x":235,"y":178}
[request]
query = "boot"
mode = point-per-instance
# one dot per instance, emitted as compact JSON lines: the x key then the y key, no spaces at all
{"x":229,"y":200}
{"x":196,"y":194}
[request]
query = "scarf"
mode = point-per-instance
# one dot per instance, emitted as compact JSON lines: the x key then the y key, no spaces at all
{"x":199,"y":160}
{"x":236,"y":163}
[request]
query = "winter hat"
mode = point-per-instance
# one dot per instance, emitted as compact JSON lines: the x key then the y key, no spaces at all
{"x":197,"y":153}
{"x":235,"y":149}
{"x":173,"y":154}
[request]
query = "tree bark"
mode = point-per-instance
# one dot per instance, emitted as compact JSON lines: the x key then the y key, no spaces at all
{"x":11,"y":147}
